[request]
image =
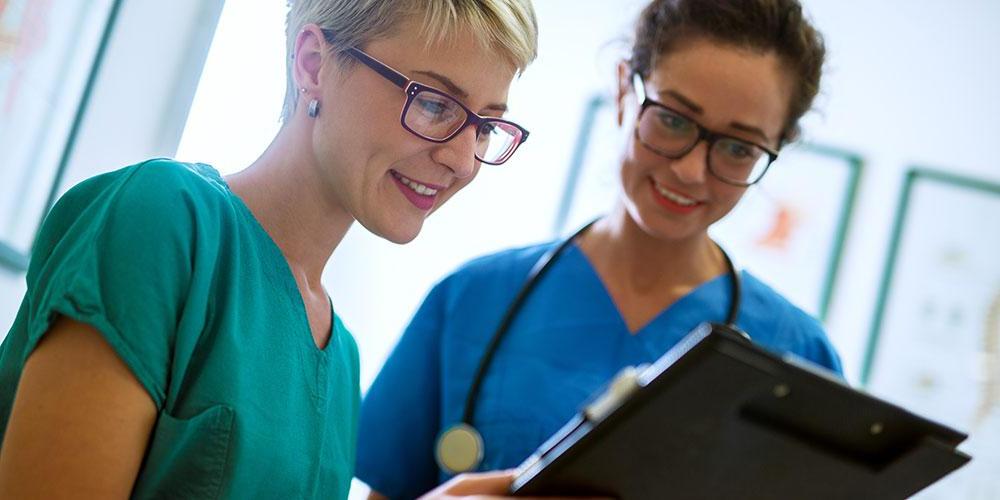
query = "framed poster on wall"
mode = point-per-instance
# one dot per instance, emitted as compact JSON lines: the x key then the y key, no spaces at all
{"x":49,"y":57}
{"x":935,"y":340}
{"x":797,"y":217}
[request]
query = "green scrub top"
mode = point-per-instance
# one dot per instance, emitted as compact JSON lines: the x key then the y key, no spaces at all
{"x":190,"y":291}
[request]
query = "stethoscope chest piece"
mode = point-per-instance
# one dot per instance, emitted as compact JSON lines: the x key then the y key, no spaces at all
{"x":459,"y":449}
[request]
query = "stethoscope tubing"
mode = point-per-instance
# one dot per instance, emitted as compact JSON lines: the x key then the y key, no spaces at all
{"x":537,"y":272}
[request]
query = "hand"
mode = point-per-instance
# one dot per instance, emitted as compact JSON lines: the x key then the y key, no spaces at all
{"x":484,"y":486}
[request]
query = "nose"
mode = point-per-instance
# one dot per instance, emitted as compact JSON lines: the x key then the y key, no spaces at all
{"x":692,"y":167}
{"x":459,"y":154}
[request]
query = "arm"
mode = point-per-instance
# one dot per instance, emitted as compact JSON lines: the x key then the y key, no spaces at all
{"x":80,"y":421}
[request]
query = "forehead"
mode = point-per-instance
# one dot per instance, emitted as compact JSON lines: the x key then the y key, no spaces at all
{"x":730,"y":84}
{"x":480,"y":71}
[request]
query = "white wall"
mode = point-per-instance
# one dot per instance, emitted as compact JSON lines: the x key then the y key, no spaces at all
{"x":140,"y":100}
{"x":908,"y":83}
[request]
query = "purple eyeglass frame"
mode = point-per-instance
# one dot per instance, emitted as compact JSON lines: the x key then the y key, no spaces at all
{"x":412,"y":88}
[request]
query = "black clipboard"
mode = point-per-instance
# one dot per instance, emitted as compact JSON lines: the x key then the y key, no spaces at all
{"x":719,"y":417}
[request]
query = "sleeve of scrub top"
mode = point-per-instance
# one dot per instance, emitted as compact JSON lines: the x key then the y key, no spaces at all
{"x":823,"y":353}
{"x":400,"y":413}
{"x":116,"y":256}
{"x":814,"y":344}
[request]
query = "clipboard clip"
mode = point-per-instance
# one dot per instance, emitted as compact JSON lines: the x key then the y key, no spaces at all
{"x":619,"y":390}
{"x":624,"y":384}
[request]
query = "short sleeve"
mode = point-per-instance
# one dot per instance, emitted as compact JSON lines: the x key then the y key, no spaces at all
{"x":813,"y":344}
{"x":116,"y":253}
{"x":821,"y":352}
{"x":400,"y":413}
{"x":785,"y":328}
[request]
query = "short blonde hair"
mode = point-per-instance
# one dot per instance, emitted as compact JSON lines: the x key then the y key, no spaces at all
{"x":508,"y":27}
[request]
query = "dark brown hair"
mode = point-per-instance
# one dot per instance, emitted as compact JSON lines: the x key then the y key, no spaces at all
{"x":777,"y":26}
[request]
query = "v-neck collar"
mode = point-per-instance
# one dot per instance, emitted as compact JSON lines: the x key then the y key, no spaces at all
{"x":283,"y":270}
{"x":694,"y":300}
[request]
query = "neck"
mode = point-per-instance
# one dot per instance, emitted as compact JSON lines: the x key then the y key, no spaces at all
{"x":289,"y":197}
{"x":627,"y":255}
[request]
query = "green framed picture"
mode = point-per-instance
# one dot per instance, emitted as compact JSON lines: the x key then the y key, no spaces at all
{"x":50,"y":54}
{"x":934,"y":345}
{"x":797,"y":217}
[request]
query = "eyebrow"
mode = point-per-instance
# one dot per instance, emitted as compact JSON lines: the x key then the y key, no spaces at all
{"x":457,"y":91}
{"x":695,"y":108}
{"x":750,"y":129}
{"x":684,"y":100}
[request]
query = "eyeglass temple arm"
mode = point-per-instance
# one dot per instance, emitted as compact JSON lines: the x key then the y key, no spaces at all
{"x":380,"y":68}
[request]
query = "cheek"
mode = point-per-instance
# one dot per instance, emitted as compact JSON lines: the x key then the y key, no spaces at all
{"x":635,"y":168}
{"x":462,"y":183}
{"x":629,"y":173}
{"x":628,"y":176}
{"x":727,"y":197}
{"x":455,"y":188}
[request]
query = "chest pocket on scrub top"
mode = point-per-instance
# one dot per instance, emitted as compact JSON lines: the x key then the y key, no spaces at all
{"x":187,"y":457}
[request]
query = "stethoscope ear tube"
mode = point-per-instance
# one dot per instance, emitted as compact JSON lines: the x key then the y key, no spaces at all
{"x":460,"y":448}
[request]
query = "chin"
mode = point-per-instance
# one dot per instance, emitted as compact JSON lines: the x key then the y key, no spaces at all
{"x":398,"y":232}
{"x":661,"y":229}
{"x":400,"y":239}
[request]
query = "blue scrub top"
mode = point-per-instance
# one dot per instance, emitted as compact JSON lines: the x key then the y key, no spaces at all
{"x":565,"y":343}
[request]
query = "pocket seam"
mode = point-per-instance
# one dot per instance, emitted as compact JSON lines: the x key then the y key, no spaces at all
{"x":230,"y":417}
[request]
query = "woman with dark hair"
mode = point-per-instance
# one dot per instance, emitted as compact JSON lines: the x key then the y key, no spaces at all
{"x":712,"y":91}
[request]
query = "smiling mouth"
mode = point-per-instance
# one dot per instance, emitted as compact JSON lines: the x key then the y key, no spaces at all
{"x":416,"y":187}
{"x":673,"y":196}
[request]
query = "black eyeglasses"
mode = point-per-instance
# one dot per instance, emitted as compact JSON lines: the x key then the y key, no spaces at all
{"x":436,"y":116}
{"x":670,"y":134}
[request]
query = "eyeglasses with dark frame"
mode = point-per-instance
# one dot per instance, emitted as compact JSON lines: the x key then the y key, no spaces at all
{"x":669,"y":133}
{"x":436,"y":116}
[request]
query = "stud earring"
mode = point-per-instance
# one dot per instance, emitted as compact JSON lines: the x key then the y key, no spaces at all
{"x":313,"y":108}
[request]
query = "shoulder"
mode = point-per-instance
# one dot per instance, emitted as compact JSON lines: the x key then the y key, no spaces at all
{"x":756,"y":293}
{"x":772,"y":319}
{"x":157,"y":191}
{"x":766,"y":309}
{"x":506,"y":266}
{"x":483,"y":282}
{"x":505,"y":260}
{"x":154,"y":204}
{"x":153,"y":184}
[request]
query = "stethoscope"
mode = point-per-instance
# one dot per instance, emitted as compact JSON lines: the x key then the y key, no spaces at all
{"x":460,"y":448}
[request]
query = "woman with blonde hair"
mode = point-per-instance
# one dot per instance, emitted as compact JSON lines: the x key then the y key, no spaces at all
{"x":175,"y":339}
